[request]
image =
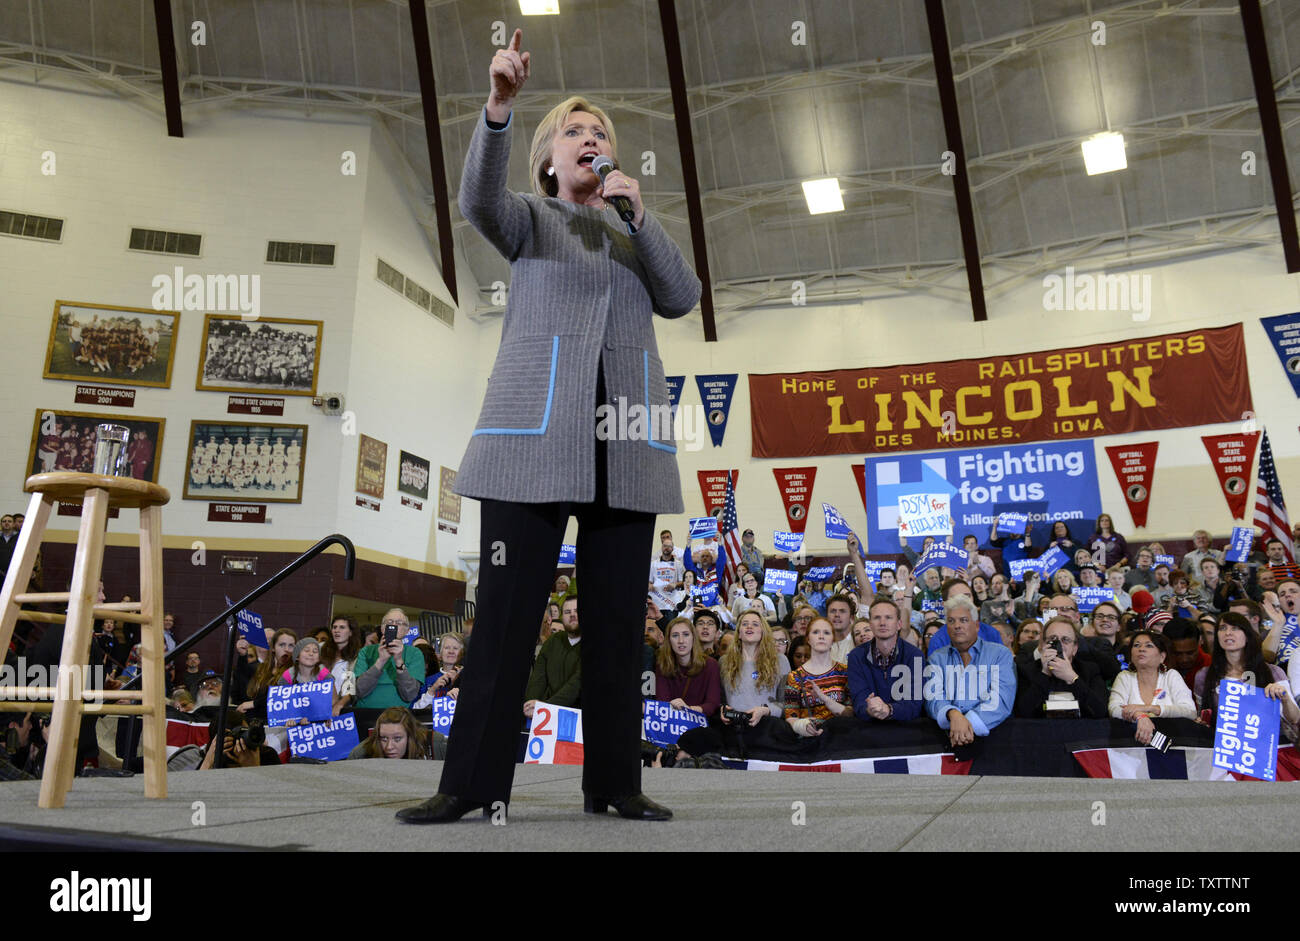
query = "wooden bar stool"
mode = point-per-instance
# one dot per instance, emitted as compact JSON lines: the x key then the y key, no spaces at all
{"x":68,"y":700}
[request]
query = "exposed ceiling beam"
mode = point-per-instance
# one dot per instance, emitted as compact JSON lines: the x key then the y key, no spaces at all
{"x":686,"y":146}
{"x":433,"y":138}
{"x":952,"y":134}
{"x":162,"y":15}
{"x":1274,"y":145}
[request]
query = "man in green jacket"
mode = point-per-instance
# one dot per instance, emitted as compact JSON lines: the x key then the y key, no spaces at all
{"x":557,"y":673}
{"x":389,"y":673}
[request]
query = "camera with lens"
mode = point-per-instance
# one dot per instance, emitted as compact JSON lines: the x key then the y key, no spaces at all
{"x":252,"y":733}
{"x":735,"y":715}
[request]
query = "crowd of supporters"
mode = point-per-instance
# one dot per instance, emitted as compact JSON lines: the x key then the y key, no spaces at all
{"x":969,"y":648}
{"x":963,"y":649}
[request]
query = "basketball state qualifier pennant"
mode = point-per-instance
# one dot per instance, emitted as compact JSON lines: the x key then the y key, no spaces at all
{"x":1284,"y":333}
{"x":1080,"y":392}
{"x":796,"y":485}
{"x":1232,"y":457}
{"x":715,"y":392}
{"x":1135,"y":467}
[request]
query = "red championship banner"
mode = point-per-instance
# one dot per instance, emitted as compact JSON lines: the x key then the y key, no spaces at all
{"x":1232,"y":457}
{"x":1135,"y":466}
{"x":713,"y":485}
{"x":1081,"y":392}
{"x":796,"y":485}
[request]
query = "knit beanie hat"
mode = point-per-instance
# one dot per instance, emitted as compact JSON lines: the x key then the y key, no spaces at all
{"x":302,"y":644}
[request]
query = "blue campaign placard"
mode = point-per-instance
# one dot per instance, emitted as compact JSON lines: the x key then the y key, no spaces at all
{"x":704,"y":527}
{"x":1047,"y":481}
{"x":820,"y":573}
{"x":1019,"y":567}
{"x":1284,"y":333}
{"x":715,"y":393}
{"x":314,"y":701}
{"x":785,"y":581}
{"x":675,"y":385}
{"x":1243,"y":537}
{"x":1012,"y":524}
{"x":942,"y":554}
{"x":1246,"y":728}
{"x":1089,"y":598}
{"x":836,"y":527}
{"x":932,"y":604}
{"x":328,"y":741}
{"x":1164,"y":560}
{"x":250,"y":626}
{"x":786,"y":542}
{"x":568,"y":554}
{"x":1288,"y":640}
{"x":412,"y":635}
{"x":444,"y":710}
{"x":1051,"y":560}
{"x":871,"y":569}
{"x":663,"y":725}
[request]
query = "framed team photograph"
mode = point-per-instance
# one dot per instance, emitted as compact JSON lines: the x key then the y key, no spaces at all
{"x":245,"y":461}
{"x":263,"y":355}
{"x":65,"y":441}
{"x":129,"y":345}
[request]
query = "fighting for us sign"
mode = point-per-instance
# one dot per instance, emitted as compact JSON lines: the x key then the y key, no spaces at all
{"x":1045,"y":482}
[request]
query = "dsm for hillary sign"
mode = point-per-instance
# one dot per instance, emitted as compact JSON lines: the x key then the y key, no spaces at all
{"x":1045,"y":481}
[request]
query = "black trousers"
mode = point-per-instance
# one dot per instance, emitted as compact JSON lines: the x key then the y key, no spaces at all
{"x":519,"y":546}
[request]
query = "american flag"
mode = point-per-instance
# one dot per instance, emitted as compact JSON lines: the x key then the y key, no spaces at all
{"x":1270,"y":509}
{"x":729,"y":527}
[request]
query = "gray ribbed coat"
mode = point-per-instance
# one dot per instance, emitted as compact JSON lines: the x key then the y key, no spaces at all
{"x":582,"y":291}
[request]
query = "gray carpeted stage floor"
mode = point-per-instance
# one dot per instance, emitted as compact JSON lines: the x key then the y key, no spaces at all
{"x":350,"y":805}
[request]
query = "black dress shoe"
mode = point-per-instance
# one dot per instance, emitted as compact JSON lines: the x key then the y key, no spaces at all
{"x":636,"y":807}
{"x":441,"y":808}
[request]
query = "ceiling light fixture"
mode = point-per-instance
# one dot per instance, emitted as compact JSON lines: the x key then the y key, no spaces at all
{"x":1104,"y":152}
{"x":539,"y":7}
{"x":823,"y":195}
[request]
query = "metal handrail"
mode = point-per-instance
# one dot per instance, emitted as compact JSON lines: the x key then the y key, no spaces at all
{"x":227,"y":617}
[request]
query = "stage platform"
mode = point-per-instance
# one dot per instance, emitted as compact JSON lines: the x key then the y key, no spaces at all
{"x":350,"y":806}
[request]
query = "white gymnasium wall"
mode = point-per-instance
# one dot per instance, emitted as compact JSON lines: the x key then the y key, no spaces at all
{"x":415,"y":383}
{"x":238,"y":178}
{"x":1210,"y":291}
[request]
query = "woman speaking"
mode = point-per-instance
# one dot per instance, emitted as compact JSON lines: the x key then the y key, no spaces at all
{"x":577,"y":335}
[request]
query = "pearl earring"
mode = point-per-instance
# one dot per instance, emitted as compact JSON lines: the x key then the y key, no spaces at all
{"x":550,"y":171}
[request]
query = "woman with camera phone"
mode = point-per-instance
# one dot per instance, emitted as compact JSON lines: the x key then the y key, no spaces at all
{"x":1148,"y":688}
{"x":589,"y":269}
{"x":1058,"y":670}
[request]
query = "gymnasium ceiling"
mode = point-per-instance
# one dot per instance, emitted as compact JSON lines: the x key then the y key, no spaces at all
{"x":859,"y":100}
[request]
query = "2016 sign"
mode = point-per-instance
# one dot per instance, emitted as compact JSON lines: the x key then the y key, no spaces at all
{"x":555,"y":737}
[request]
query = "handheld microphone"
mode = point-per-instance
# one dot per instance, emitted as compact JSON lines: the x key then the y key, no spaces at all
{"x":602,"y":165}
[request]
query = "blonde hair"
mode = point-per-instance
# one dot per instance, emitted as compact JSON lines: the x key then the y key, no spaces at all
{"x":764,"y":661}
{"x":539,"y":155}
